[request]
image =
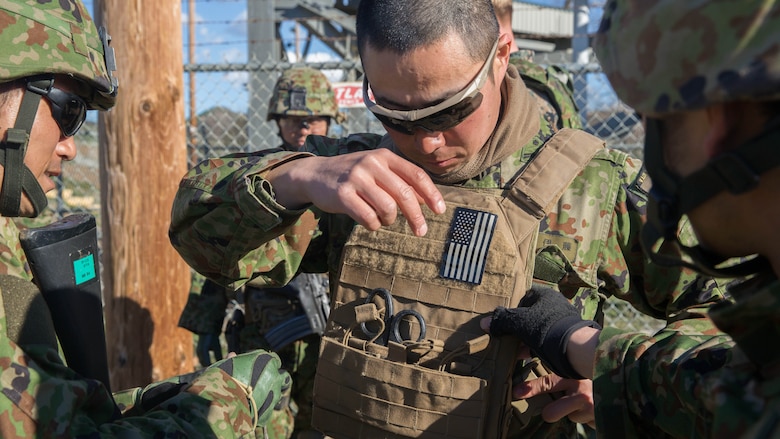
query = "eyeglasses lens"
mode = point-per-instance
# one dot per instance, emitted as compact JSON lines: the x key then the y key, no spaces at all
{"x":441,"y":121}
{"x":68,"y":110}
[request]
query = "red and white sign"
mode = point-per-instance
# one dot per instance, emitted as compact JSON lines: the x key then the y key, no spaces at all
{"x":348,"y":94}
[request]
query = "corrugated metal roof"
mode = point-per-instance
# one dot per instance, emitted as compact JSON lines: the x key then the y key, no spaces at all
{"x":531,"y":19}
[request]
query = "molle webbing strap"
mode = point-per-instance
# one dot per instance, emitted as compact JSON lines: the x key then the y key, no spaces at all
{"x":16,"y":175}
{"x":459,"y":393}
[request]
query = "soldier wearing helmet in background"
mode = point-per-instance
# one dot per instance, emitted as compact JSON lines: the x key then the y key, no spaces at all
{"x":287,"y":320}
{"x":551,"y":86}
{"x":56,"y":65}
{"x":303,"y":103}
{"x":711,"y":108}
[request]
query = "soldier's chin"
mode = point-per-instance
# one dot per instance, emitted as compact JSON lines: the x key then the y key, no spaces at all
{"x":26,"y":208}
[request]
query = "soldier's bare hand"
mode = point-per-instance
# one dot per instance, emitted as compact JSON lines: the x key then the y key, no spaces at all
{"x":576,"y":401}
{"x":369,"y":186}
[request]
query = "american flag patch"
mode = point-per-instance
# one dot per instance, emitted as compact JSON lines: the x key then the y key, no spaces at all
{"x":467,"y":245}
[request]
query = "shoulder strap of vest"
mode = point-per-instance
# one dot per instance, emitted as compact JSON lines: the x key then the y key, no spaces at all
{"x":537,"y":191}
{"x":542,"y":182}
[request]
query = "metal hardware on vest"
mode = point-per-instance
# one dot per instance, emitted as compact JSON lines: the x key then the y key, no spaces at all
{"x":462,"y":387}
{"x":390,"y":330}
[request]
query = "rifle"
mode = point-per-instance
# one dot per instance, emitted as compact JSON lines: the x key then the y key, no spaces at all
{"x":315,"y":303}
{"x":63,"y":258}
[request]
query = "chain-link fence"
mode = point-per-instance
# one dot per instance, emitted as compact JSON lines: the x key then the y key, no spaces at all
{"x":228,"y":105}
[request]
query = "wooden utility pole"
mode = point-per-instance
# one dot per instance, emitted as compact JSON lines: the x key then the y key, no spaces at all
{"x":143,"y":157}
{"x":191,"y":58}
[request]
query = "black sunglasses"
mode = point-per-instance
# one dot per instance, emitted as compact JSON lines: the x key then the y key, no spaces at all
{"x":441,"y":121}
{"x":67,"y":109}
{"x":439,"y":117}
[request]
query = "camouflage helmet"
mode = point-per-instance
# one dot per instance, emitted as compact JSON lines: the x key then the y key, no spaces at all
{"x":303,"y":91}
{"x":57,"y":37}
{"x":670,"y":55}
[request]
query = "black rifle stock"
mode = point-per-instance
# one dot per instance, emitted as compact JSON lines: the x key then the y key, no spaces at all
{"x":63,"y":257}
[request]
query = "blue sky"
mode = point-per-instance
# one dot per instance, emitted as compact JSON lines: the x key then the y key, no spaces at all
{"x":221,"y":36}
{"x":221,"y":28}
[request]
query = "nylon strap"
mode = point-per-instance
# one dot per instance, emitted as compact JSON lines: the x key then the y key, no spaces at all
{"x":361,"y":394}
{"x":735,"y":172}
{"x":16,"y":175}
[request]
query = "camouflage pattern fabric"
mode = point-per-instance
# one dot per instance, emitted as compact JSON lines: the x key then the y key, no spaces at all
{"x":664,"y":57}
{"x":714,"y":51}
{"x":593,"y":235}
{"x":12,"y":259}
{"x":299,"y":358}
{"x":41,"y":397}
{"x":205,"y":313}
{"x":303,"y":91}
{"x":54,"y":30}
{"x":691,"y":396}
{"x":555,"y":97}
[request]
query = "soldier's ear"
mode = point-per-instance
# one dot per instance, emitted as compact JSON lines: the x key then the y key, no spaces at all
{"x":503,"y":50}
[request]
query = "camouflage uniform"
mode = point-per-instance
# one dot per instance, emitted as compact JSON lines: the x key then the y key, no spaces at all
{"x":42,"y":396}
{"x":591,"y":237}
{"x":664,"y":57}
{"x":39,"y":395}
{"x":555,"y":96}
{"x":299,"y":92}
{"x":303,"y":91}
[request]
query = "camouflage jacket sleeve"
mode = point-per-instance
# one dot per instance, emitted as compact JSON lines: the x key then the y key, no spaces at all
{"x":227,"y":225}
{"x":651,"y":380}
{"x":605,"y":208}
{"x":690,"y":380}
{"x":41,"y":397}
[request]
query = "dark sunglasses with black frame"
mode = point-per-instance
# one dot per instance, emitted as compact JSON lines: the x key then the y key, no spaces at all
{"x":67,"y":109}
{"x":439,"y":117}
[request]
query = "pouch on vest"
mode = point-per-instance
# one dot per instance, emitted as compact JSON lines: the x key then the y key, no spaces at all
{"x":428,"y":370}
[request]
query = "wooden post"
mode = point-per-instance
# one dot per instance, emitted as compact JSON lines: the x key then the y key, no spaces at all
{"x":143,"y":157}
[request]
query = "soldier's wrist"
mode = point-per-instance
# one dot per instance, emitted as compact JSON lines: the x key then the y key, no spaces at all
{"x":581,"y":350}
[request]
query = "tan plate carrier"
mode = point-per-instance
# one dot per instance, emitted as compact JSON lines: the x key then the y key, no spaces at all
{"x":457,"y":382}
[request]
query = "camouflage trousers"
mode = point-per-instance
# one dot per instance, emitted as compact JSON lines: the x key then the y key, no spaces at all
{"x":299,"y":358}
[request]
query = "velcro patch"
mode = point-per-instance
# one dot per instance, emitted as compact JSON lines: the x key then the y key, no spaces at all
{"x":468,"y":241}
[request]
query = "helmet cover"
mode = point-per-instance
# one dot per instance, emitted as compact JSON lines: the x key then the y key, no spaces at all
{"x":669,"y":55}
{"x":41,"y":37}
{"x":303,"y":91}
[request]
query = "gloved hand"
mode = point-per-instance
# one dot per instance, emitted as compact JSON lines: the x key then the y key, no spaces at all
{"x":208,"y":343}
{"x":261,"y":371}
{"x":544,"y":321}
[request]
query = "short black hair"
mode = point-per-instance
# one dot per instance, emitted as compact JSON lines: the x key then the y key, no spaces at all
{"x":405,"y":25}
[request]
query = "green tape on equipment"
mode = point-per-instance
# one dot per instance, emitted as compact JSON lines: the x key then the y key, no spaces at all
{"x":84,"y":269}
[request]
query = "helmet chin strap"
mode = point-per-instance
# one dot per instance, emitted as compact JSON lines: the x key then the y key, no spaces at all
{"x":17,"y":177}
{"x":671,"y":197}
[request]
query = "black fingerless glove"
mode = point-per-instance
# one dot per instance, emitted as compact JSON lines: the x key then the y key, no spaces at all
{"x":545,"y":320}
